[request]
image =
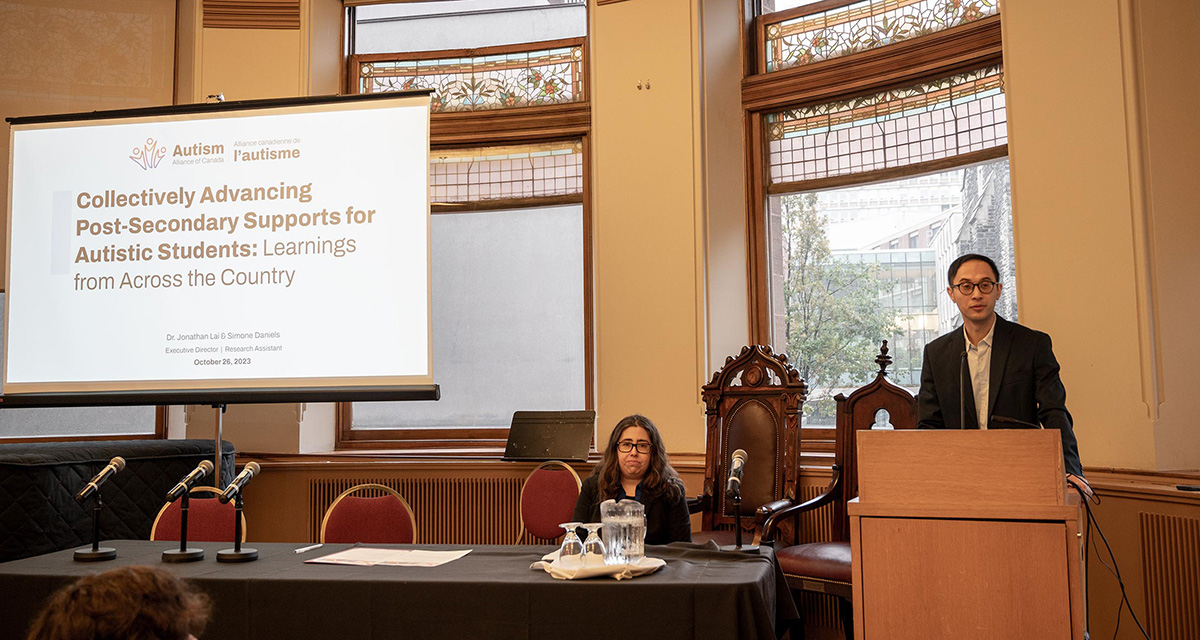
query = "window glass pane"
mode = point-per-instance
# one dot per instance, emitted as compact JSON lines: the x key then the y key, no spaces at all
{"x":901,"y":127}
{"x":534,"y":77}
{"x":503,"y":173}
{"x":858,"y":26}
{"x":508,"y":320}
{"x":465,"y":24}
{"x":73,"y":421}
{"x":839,"y":288}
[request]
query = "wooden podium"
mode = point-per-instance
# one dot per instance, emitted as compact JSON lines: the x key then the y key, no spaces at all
{"x":964,"y":534}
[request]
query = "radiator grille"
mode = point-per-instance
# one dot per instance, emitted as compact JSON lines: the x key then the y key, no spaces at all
{"x":1171,"y":566}
{"x":447,"y":510}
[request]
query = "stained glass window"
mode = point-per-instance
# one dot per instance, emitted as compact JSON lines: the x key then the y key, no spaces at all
{"x":931,"y":121}
{"x":519,"y":79}
{"x":863,"y":25}
{"x":524,"y":172}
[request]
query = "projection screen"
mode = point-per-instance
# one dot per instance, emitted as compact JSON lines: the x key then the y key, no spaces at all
{"x":260,"y":245}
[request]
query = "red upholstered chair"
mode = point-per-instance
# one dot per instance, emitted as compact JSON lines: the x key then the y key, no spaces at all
{"x":378,"y":516}
{"x":208,"y":519}
{"x":824,"y":567}
{"x":548,"y":500}
{"x":753,"y":403}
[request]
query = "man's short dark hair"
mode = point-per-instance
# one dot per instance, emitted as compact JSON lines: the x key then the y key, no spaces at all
{"x":967,"y":258}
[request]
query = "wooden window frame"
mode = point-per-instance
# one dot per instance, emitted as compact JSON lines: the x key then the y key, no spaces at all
{"x":931,"y":57}
{"x":483,"y":128}
{"x":160,"y":433}
{"x":934,"y":56}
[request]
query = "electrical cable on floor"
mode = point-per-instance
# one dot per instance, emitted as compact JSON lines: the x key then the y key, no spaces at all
{"x":1114,"y":570}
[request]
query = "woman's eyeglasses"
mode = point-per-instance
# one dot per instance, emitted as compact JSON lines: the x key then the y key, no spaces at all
{"x":625,"y":446}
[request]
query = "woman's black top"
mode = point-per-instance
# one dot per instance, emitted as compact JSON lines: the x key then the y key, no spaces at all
{"x":667,"y":518}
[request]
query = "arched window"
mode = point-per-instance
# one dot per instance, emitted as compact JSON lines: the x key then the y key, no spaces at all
{"x":510,"y":229}
{"x":879,"y":129}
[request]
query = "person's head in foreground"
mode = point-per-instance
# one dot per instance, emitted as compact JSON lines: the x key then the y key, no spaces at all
{"x":127,"y":603}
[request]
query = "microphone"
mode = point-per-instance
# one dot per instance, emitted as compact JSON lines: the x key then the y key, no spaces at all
{"x":962,"y":391}
{"x":235,"y":487}
{"x":204,"y":468}
{"x":113,"y":466}
{"x":1016,"y":424}
{"x":738,"y":463}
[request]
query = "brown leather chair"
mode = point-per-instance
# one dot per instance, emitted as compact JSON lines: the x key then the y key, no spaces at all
{"x":752,"y":403}
{"x":824,"y":567}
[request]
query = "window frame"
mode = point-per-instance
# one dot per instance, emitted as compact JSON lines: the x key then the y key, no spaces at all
{"x":926,"y":58}
{"x":160,"y":433}
{"x":484,"y":128}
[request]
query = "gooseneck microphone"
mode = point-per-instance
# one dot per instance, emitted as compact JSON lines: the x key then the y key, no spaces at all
{"x":93,"y":485}
{"x":1016,"y":424}
{"x":234,"y":487}
{"x":962,"y":391}
{"x":204,"y":468}
{"x":737,"y":464}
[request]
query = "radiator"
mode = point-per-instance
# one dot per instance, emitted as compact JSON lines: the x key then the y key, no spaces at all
{"x":447,"y":510}
{"x":1171,"y":575}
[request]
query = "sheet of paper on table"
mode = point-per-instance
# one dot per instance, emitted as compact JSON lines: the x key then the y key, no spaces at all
{"x":370,"y":557}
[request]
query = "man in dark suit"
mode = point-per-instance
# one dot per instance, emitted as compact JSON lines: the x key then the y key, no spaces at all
{"x":1011,"y":369}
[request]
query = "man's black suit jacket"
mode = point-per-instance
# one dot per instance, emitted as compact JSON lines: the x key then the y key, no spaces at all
{"x":1023,"y":385}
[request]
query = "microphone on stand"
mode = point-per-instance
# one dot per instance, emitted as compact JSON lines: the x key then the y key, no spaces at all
{"x":93,"y":485}
{"x":733,"y":486}
{"x":733,"y":491}
{"x":237,"y":553}
{"x":235,"y":487}
{"x":204,"y":468}
{"x":962,"y":391}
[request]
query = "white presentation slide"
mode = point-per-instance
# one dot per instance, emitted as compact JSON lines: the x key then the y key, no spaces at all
{"x":281,"y":247}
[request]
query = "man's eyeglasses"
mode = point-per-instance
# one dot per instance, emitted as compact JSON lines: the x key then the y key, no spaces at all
{"x":967,"y":288}
{"x":625,"y":446}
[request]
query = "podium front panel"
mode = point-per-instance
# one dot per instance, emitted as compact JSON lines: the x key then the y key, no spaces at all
{"x":978,"y":579}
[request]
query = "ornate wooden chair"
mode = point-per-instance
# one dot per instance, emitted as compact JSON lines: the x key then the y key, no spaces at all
{"x":824,"y":567}
{"x":380,"y":516}
{"x":208,"y":519}
{"x":752,"y":403}
{"x":547,"y":500}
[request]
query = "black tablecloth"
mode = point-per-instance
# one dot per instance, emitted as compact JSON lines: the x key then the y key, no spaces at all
{"x":489,"y":593}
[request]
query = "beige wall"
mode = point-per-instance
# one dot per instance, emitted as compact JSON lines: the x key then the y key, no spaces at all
{"x":659,"y":207}
{"x":1100,"y":152}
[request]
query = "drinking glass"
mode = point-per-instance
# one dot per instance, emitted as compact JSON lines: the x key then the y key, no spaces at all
{"x":593,"y":546}
{"x":571,"y":546}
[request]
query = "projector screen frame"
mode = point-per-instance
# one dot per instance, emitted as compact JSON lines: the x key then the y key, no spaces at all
{"x":217,"y":396}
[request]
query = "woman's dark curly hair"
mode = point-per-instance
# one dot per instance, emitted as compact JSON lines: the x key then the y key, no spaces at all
{"x":660,"y":476}
{"x":128,"y":603}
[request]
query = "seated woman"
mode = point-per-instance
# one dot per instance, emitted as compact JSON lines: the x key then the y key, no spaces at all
{"x":635,"y":466}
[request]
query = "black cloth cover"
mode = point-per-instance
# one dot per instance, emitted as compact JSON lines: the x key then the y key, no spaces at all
{"x":38,"y":483}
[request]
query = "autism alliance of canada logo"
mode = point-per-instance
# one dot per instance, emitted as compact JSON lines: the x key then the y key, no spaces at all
{"x":150,"y":155}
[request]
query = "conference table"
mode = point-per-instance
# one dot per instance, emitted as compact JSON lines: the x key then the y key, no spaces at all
{"x":489,"y":593}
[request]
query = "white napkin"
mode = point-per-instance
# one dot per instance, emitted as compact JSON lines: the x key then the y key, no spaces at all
{"x":572,"y":568}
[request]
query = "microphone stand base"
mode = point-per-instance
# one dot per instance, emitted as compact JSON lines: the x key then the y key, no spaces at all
{"x":95,"y":555}
{"x":182,"y":555}
{"x":746,"y":548}
{"x":230,"y":555}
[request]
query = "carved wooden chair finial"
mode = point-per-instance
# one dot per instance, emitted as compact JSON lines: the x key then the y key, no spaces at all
{"x":883,"y":359}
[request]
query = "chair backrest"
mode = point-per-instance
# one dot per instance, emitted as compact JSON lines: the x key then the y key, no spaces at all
{"x":548,"y":499}
{"x":879,"y":404}
{"x":380,"y":515}
{"x":752,"y":403}
{"x":208,"y":519}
